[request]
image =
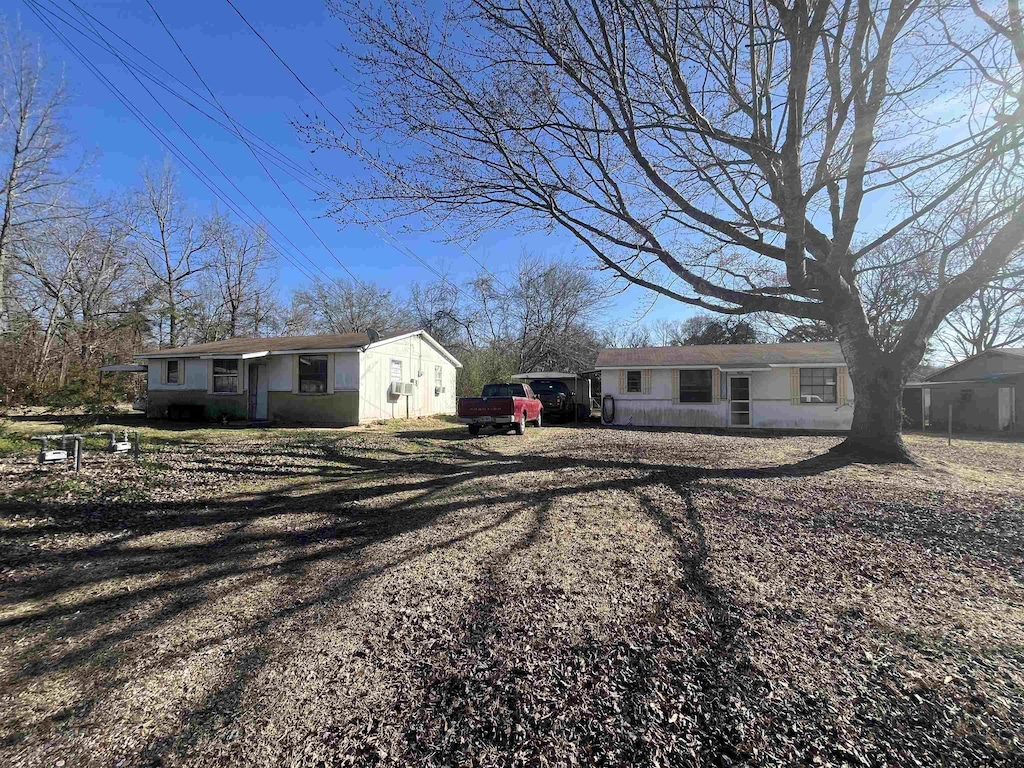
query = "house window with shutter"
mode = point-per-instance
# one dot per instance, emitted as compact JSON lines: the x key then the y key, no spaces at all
{"x":172,"y":372}
{"x":634,"y":381}
{"x":817,"y":385}
{"x":696,"y":386}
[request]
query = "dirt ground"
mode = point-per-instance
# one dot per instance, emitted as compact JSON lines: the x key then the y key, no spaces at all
{"x":410,"y":596}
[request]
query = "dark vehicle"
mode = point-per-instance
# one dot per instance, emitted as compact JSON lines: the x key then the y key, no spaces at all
{"x":501,"y":407}
{"x":559,"y":401}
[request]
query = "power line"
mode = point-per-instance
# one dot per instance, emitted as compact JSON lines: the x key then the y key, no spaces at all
{"x":244,"y":140}
{"x":265,"y":148}
{"x":383,"y":233}
{"x":164,"y":140}
{"x":214,"y":163}
{"x":354,"y":148}
{"x":249,"y":146}
{"x":238,"y":130}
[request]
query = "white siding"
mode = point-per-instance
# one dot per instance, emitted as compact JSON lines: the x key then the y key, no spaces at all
{"x":279,"y":372}
{"x":771,"y":405}
{"x":418,"y":358}
{"x":192,"y":373}
{"x":346,"y":371}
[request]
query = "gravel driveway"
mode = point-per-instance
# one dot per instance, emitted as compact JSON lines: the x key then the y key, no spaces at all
{"x":412,"y":596}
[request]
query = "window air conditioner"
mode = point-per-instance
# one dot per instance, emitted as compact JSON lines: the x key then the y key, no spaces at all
{"x":401,"y":388}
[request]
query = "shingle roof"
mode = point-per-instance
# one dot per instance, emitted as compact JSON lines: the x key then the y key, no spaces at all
{"x":1011,"y":351}
{"x":724,"y":355}
{"x":275,"y":344}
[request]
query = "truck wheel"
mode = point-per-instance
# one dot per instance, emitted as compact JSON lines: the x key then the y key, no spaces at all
{"x":521,"y":424}
{"x":540,"y":415}
{"x":474,"y":429}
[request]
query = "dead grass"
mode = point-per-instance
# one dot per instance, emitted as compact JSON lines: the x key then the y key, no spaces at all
{"x":404,"y":595}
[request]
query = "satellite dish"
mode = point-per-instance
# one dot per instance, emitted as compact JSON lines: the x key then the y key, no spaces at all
{"x":372,"y":335}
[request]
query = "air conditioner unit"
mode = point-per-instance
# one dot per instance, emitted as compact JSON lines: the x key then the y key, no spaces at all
{"x":401,"y":388}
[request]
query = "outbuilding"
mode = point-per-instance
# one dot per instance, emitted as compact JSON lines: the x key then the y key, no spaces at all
{"x":765,"y":386}
{"x":983,"y":393}
{"x":338,"y":379}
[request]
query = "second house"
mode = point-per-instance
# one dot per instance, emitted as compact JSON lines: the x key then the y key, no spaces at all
{"x":340,"y":379}
{"x":767,"y":386}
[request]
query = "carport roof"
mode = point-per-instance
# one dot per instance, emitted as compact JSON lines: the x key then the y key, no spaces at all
{"x":725,"y":355}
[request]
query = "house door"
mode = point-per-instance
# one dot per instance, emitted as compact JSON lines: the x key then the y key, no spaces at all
{"x":258,"y":392}
{"x":739,"y":401}
{"x":1006,"y":407}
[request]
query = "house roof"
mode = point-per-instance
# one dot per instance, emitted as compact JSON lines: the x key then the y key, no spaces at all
{"x":724,"y":355}
{"x":1008,"y":351}
{"x":274,"y":344}
{"x":329,"y":342}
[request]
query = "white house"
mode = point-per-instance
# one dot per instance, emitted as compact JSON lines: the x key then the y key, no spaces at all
{"x":764,"y":386}
{"x":332,"y":379}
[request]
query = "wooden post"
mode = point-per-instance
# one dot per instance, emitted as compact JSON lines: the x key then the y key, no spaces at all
{"x":949,"y":424}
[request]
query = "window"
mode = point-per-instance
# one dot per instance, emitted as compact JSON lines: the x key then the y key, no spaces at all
{"x":695,"y":386}
{"x":504,"y":390}
{"x":817,"y":385}
{"x":438,"y":380}
{"x":171,"y":372}
{"x":312,"y":374}
{"x":555,"y":387}
{"x":634,"y":381}
{"x":396,"y":370}
{"x":225,"y":376}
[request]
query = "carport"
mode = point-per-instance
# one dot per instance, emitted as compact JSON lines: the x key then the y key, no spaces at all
{"x":578,"y":385}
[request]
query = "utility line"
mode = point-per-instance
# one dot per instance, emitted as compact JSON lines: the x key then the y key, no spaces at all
{"x":354,"y":147}
{"x":238,"y":132}
{"x":249,"y":146}
{"x":213,"y":162}
{"x":237,"y":129}
{"x":167,"y":143}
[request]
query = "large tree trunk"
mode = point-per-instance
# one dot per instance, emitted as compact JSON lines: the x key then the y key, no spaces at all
{"x":877,"y":430}
{"x":878,"y":377}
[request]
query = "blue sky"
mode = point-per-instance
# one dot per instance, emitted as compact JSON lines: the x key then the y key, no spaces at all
{"x":260,"y":94}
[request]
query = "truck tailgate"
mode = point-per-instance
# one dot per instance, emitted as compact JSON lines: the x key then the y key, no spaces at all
{"x":470,"y":407}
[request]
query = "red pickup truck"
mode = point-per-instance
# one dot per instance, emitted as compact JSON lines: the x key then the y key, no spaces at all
{"x":501,"y":406}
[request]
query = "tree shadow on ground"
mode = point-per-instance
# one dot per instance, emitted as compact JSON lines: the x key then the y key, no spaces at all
{"x":88,"y":612}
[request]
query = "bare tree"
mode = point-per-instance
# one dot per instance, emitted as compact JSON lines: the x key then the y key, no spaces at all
{"x":342,"y":306}
{"x":171,"y":246}
{"x":704,"y":328}
{"x":992,"y":318}
{"x":440,"y":310}
{"x":32,"y":145}
{"x":740,"y":156}
{"x":75,"y":278}
{"x":238,"y":263}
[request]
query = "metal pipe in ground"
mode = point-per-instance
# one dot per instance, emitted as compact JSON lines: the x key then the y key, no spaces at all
{"x":949,"y":421}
